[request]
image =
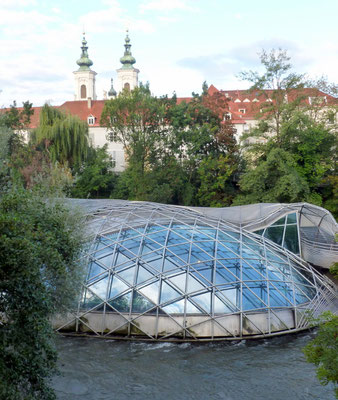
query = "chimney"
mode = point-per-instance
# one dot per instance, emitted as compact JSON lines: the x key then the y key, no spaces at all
{"x":89,"y":102}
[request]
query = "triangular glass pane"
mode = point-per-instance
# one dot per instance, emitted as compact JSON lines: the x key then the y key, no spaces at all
{"x":158,"y":237}
{"x":183,"y":230}
{"x":149,"y":245}
{"x":198,"y":255}
{"x":151,"y":291}
{"x":226,"y":250}
{"x":179,"y":281}
{"x":292,"y":218}
{"x":129,"y":233}
{"x":175,"y":239}
{"x":107,"y":260}
{"x":250,"y":301}
{"x":121,"y":258}
{"x":280,"y":221}
{"x":291,"y":239}
{"x":121,"y":303}
{"x":203,"y":274}
{"x":194,"y":285}
{"x":117,"y":287}
{"x":143,"y":275}
{"x":192,"y":309}
{"x":250,"y":273}
{"x":168,"y":293}
{"x":280,"y":294}
{"x":231,"y":295}
{"x":155,"y":262}
{"x":220,"y":307}
{"x":181,"y":251}
{"x":132,"y":245}
{"x":128,"y":275}
{"x":207,"y":232}
{"x":94,"y":270}
{"x":140,"y":303}
{"x":232,"y":266}
{"x":203,"y":300}
{"x":174,"y":308}
{"x":275,"y":233}
{"x":100,"y":287}
{"x":89,"y":300}
{"x":223,"y":276}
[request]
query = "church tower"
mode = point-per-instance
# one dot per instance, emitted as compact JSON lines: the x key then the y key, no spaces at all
{"x":127,"y":76}
{"x":84,"y":76}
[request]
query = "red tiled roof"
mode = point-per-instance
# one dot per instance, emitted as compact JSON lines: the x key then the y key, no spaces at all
{"x":81,"y":109}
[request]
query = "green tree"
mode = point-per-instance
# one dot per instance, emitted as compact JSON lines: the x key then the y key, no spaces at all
{"x":322,"y":351}
{"x":95,"y":178}
{"x":64,"y":137}
{"x":289,"y":128}
{"x":40,"y":244}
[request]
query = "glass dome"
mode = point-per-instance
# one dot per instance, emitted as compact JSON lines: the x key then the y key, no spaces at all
{"x":165,"y":272}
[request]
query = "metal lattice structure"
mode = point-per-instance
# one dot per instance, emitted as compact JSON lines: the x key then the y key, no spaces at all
{"x":162,"y":272}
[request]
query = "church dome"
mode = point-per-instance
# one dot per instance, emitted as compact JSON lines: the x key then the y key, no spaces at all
{"x":84,"y":61}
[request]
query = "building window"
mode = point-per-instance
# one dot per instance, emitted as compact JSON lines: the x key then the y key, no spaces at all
{"x":83,"y":92}
{"x":91,"y":120}
{"x":242,"y":110}
{"x":227,"y":116}
{"x":127,"y":86}
{"x":246,"y":100}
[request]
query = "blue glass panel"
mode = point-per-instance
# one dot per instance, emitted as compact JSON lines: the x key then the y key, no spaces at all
{"x":203,"y":273}
{"x":194,"y":284}
{"x":107,"y":260}
{"x":183,"y":230}
{"x":300,"y":298}
{"x":121,"y":258}
{"x":249,"y":273}
{"x":141,"y":304}
{"x":233,"y":266}
{"x":230,"y":295}
{"x":100,"y":287}
{"x":121,"y":303}
{"x":151,"y":291}
{"x":128,"y":275}
{"x":191,"y":308}
{"x":181,"y":251}
{"x":197,"y":254}
{"x":175,"y":308}
{"x":281,"y":294}
{"x":155,"y":228}
{"x":302,"y":277}
{"x":89,"y":300}
{"x":117,"y":287}
{"x":179,"y":281}
{"x":204,"y":233}
{"x":223,"y":275}
{"x":132,"y":245}
{"x":149,"y":245}
{"x":203,"y":301}
{"x":228,"y":250}
{"x":275,"y":233}
{"x":94,"y":270}
{"x":175,"y":239}
{"x":291,"y":239}
{"x":143,"y":275}
{"x":220,"y":307}
{"x":292,"y":218}
{"x":280,"y":221}
{"x":159,"y":237}
{"x":249,"y":300}
{"x":154,"y":261}
{"x":112,"y":235}
{"x":129,"y":233}
{"x":168,"y":293}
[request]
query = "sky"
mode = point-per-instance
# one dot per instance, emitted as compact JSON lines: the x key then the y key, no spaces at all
{"x":178,"y":44}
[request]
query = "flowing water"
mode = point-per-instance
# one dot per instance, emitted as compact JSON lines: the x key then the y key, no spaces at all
{"x":273,"y":369}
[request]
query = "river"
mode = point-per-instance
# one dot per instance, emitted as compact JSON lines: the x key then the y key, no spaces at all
{"x":271,"y":369}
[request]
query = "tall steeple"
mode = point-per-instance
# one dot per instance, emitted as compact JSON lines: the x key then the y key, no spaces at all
{"x":127,"y":76}
{"x":84,"y":76}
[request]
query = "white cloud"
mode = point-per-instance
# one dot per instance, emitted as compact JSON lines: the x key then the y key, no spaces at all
{"x":17,"y":3}
{"x":164,"y":5}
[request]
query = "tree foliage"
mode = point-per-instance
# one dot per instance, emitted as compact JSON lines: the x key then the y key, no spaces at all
{"x":64,"y":136}
{"x":168,"y":143}
{"x":322,"y":351}
{"x":291,"y":152}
